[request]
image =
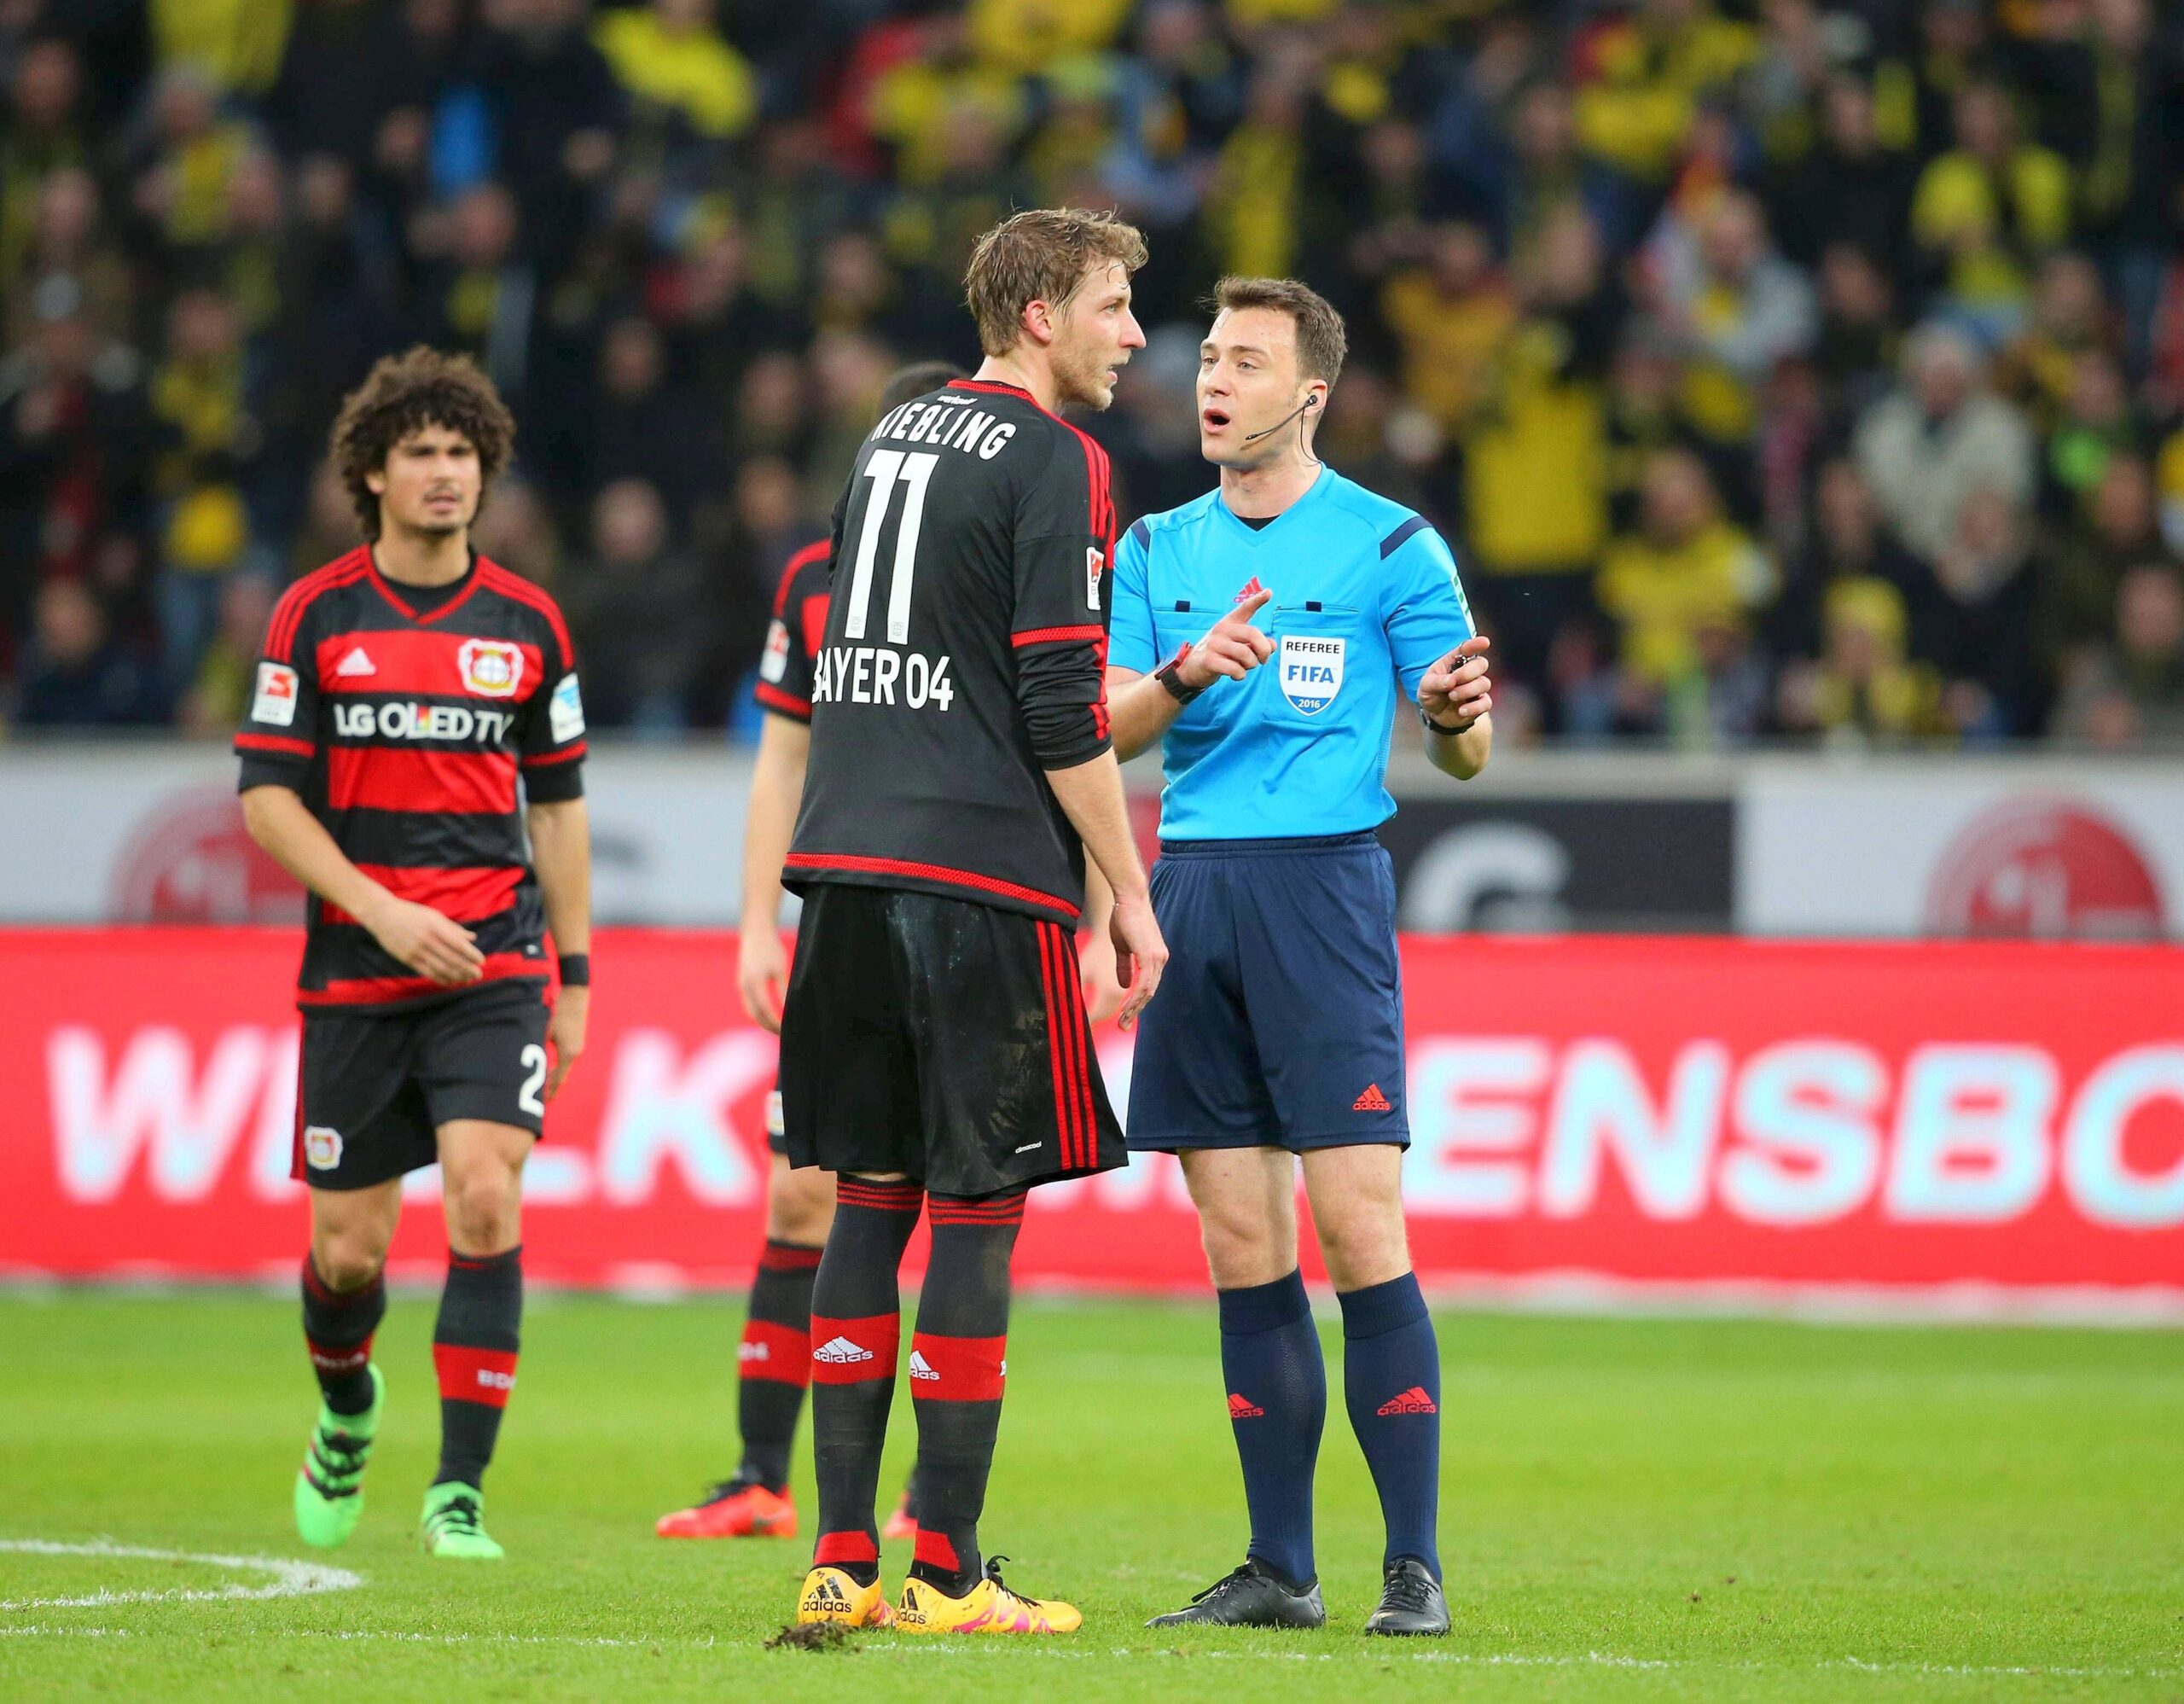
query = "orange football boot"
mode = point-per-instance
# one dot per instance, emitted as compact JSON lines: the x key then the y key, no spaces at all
{"x":733,"y":1510}
{"x":830,"y":1595}
{"x":989,"y":1607}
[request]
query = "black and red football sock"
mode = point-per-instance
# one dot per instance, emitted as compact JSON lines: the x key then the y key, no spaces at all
{"x":337,"y":1327}
{"x":856,"y":1326}
{"x":474,"y":1345}
{"x":773,"y":1362}
{"x":1392,"y":1380}
{"x":958,"y":1360}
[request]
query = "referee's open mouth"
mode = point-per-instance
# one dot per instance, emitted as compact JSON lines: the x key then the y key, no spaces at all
{"x":1213,"y":419}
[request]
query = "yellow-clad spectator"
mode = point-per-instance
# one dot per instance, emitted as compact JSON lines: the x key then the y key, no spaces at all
{"x":1536,"y":447}
{"x":671,"y":56}
{"x":1249,"y":15}
{"x":2070,"y":318}
{"x":1448,"y":315}
{"x":187,"y":190}
{"x":920,"y":106}
{"x":1028,"y":36}
{"x":1736,"y":308}
{"x":1864,"y":686}
{"x":1985,"y":211}
{"x":238,"y":44}
{"x":1687,"y":571}
{"x":1251,"y":211}
{"x":1643,"y":77}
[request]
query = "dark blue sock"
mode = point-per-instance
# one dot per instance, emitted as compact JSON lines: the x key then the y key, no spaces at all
{"x":1391,"y":1377}
{"x":1277,"y":1407}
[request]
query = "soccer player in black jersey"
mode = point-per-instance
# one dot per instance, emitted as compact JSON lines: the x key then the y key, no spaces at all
{"x":774,"y":1359}
{"x":403,"y":691}
{"x":934,"y":1043}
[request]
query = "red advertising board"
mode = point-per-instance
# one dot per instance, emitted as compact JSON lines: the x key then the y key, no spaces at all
{"x":1891,"y":1119}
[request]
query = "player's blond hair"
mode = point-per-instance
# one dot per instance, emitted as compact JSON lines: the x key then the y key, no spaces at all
{"x":1041,"y":255}
{"x":1321,"y":342}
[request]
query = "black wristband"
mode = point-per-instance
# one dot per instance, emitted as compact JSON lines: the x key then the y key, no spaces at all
{"x":1169,"y":675}
{"x":1441,"y":728}
{"x":576,"y":970}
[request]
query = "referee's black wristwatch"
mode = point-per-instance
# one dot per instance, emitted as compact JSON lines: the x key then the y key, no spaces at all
{"x":1441,"y":729}
{"x":1169,"y":675}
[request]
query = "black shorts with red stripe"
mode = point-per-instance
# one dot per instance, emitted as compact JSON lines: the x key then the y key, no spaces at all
{"x":942,"y":1039}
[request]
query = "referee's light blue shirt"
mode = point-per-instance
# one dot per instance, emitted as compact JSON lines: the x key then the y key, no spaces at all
{"x":1365,"y":594}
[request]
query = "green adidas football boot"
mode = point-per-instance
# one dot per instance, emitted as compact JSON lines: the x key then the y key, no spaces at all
{"x":330,"y":1485}
{"x":455,"y":1524}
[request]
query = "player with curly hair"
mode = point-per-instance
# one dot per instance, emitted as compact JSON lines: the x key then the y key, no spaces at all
{"x":409,"y":694}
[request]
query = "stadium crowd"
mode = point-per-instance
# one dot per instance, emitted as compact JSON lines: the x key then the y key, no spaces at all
{"x":1792,"y":369}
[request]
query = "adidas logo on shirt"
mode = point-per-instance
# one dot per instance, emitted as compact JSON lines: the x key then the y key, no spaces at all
{"x":921,"y":1368}
{"x":840,"y":1351}
{"x":1412,"y":1401}
{"x":355,"y":663}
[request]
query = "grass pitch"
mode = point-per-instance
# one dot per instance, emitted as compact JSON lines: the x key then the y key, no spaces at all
{"x":1633,"y":1509}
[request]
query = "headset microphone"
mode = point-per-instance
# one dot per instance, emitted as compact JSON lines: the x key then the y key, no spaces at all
{"x":1308,"y":403}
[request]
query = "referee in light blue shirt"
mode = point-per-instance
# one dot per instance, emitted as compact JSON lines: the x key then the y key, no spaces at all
{"x":1260,"y":634}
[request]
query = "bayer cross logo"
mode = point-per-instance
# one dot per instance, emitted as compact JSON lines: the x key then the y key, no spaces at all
{"x":490,"y":667}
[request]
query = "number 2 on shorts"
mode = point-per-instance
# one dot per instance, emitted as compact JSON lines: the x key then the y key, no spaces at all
{"x":533,"y":1059}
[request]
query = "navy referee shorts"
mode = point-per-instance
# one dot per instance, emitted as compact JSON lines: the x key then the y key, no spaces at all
{"x":1279,"y":1021}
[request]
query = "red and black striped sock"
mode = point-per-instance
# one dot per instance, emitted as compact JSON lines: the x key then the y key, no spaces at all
{"x":773,"y":1363}
{"x":958,"y":1359}
{"x":474,"y":1345}
{"x":855,"y":1331}
{"x":337,"y":1327}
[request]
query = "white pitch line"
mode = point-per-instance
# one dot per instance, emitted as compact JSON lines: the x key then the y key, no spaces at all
{"x":899,"y":1647}
{"x":291,"y":1579}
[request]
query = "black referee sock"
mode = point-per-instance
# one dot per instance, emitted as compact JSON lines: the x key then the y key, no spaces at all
{"x":958,"y":1359}
{"x":856,"y":1326}
{"x":337,"y":1327}
{"x":474,"y":1345}
{"x":774,"y":1361}
{"x":1277,"y":1410}
{"x":1391,"y":1382}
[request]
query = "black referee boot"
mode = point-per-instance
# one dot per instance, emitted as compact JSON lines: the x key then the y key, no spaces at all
{"x":1254,"y":1595}
{"x":1411,"y":1602}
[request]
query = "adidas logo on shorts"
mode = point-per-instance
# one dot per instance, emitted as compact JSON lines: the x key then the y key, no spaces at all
{"x":840,"y":1351}
{"x":921,"y":1368}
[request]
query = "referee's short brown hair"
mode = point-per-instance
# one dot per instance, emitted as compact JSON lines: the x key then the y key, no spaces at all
{"x":1041,"y":256}
{"x":1321,"y":342}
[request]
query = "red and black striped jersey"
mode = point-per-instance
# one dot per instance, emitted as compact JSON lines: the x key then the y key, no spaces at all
{"x":964,"y":655}
{"x":405,"y":724}
{"x":798,"y":629}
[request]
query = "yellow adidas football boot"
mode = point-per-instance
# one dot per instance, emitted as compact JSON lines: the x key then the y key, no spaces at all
{"x":830,"y":1595}
{"x":989,"y":1607}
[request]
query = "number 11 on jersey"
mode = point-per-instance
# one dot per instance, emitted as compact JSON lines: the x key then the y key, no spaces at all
{"x":886,"y":469}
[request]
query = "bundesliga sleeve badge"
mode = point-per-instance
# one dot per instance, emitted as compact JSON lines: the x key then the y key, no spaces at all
{"x":275,"y":703}
{"x":565,"y":711}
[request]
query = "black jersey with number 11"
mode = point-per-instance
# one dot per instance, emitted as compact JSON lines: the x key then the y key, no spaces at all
{"x":965,"y":655}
